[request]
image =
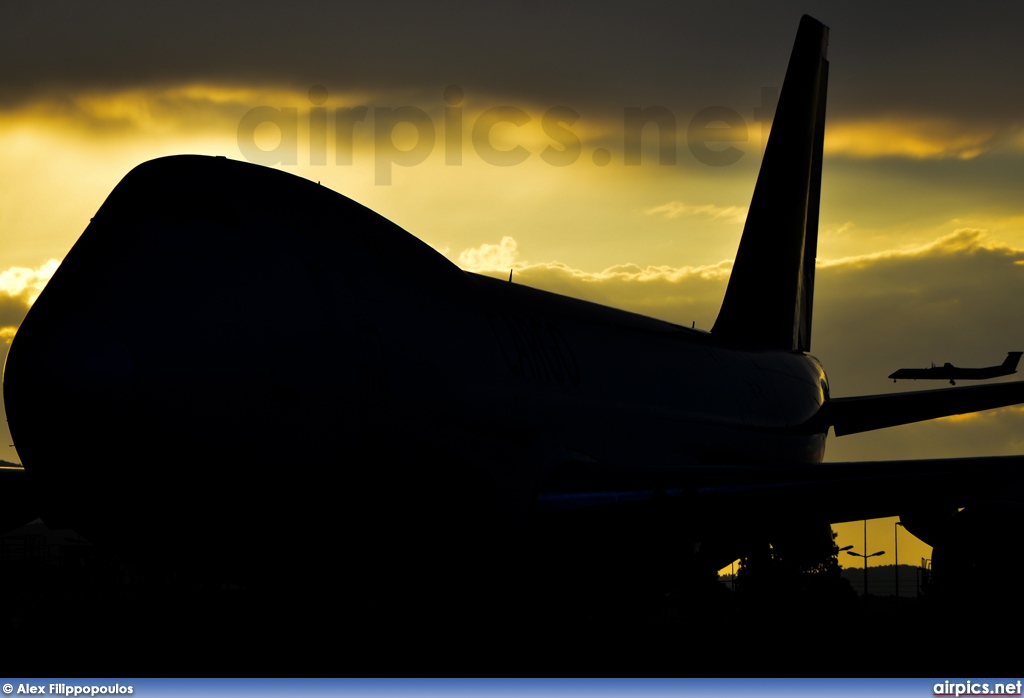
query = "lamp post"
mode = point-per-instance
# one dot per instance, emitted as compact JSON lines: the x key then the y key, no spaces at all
{"x":880,"y":552}
{"x":896,"y":552}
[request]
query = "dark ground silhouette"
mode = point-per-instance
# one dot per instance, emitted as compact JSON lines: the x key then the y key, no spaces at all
{"x":72,"y":608}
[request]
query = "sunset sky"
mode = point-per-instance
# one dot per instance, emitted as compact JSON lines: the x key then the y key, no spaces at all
{"x":921,"y":252}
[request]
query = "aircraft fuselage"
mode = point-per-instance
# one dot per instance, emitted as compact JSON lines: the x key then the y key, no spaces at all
{"x":298,"y":353}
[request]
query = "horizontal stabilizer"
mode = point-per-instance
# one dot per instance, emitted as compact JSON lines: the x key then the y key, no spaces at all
{"x":852,"y":415}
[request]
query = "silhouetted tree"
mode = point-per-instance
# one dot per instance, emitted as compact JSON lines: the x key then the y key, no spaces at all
{"x":772,"y":575}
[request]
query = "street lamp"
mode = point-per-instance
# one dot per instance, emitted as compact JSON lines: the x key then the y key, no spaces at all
{"x":896,"y":543}
{"x":880,"y":552}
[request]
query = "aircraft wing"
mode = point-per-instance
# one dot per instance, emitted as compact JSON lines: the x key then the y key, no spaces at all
{"x":852,"y":415}
{"x":722,"y":506}
{"x":832,"y":492}
{"x":735,"y":499}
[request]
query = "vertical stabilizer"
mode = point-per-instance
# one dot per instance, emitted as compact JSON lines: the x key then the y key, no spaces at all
{"x":1011,"y":361}
{"x":771,"y":290}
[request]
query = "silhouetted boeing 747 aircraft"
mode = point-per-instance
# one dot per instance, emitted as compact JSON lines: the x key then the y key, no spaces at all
{"x":257,"y":352}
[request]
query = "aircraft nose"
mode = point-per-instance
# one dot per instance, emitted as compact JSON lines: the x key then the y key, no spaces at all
{"x":67,"y":379}
{"x":195,"y":361}
{"x":63,"y":375}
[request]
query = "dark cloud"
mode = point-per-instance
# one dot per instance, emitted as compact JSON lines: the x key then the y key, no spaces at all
{"x":956,"y":300}
{"x":961,"y":60}
{"x":919,"y":194}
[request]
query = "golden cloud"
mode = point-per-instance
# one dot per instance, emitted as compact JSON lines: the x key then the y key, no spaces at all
{"x":674,"y":209}
{"x":19,"y":288}
{"x":186,"y":108}
{"x":490,"y":257}
{"x":917,"y":138}
{"x":960,"y":240}
{"x":25,"y":283}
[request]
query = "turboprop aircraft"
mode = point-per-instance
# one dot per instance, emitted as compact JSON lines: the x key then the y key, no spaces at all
{"x":259,"y":354}
{"x":948,"y":371}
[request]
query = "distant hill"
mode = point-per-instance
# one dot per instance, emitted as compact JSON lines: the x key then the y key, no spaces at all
{"x":882,"y":580}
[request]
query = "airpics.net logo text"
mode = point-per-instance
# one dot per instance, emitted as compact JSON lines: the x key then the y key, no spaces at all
{"x":976,"y":688}
{"x":711,"y":134}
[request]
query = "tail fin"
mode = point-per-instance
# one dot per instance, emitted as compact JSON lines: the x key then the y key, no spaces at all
{"x":1011,"y":360}
{"x":769,"y":299}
